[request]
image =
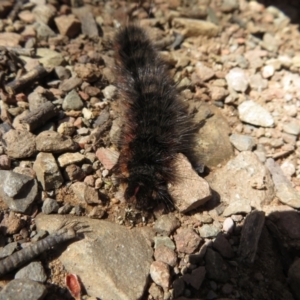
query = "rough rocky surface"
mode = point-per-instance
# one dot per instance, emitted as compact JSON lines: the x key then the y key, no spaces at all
{"x":106,"y":248}
{"x":236,"y":64}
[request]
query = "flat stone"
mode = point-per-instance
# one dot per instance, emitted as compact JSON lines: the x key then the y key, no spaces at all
{"x":69,"y":83}
{"x":47,"y":171}
{"x":242,"y":142}
{"x":236,"y":208}
{"x":72,"y":101}
{"x":110,"y":247}
{"x":191,"y":190}
{"x":33,"y":271}
{"x":26,"y":193}
{"x":244,"y":182}
{"x":70,"y":158}
{"x":107,"y":157}
{"x":9,"y":39}
{"x":19,"y":144}
{"x":292,"y":128}
{"x":252,"y":113}
{"x":192,"y":27}
{"x":51,"y":141}
{"x":49,"y":58}
{"x":25,"y":288}
{"x":43,"y":31}
{"x":250,"y":235}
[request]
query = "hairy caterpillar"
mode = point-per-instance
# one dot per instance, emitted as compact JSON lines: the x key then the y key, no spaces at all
{"x":156,"y":123}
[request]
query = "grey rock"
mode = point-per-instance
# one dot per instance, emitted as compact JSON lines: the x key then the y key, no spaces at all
{"x":62,"y":73}
{"x":24,"y":289}
{"x":107,"y":247}
{"x":166,"y":224}
{"x":39,"y":236}
{"x":252,"y":113}
{"x":8,"y":249}
{"x":242,"y":142}
{"x":191,"y":190}
{"x":229,"y":6}
{"x":250,"y":235}
{"x":50,"y":206}
{"x":35,"y":100}
{"x":215,"y":266}
{"x":72,"y":101}
{"x":51,"y":141}
{"x":24,"y":194}
{"x":165,"y":241}
{"x":244,"y":182}
{"x":284,"y":189}
{"x":19,"y":144}
{"x":70,"y":83}
{"x":47,"y":171}
{"x":43,"y":31}
{"x":237,"y":207}
{"x":208,"y":231}
{"x":33,"y":271}
{"x":237,"y":80}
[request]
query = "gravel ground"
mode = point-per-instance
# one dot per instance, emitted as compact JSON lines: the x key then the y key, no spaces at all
{"x":237,"y":66}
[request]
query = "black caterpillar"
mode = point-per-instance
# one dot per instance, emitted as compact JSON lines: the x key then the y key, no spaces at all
{"x":156,"y":125}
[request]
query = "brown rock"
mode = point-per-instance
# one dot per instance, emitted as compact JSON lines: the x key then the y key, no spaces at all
{"x":47,"y":171}
{"x":166,"y":255}
{"x":187,"y":240}
{"x":87,"y":72}
{"x":70,"y":158}
{"x":107,"y":157}
{"x":166,"y":224}
{"x":192,"y":27}
{"x":19,"y":144}
{"x":9,"y":39}
{"x":73,"y":172}
{"x":85,"y":193}
{"x":160,"y":273}
{"x":11,"y":224}
{"x":51,"y":141}
{"x":68,"y":25}
{"x":190,"y":191}
{"x":69,"y":84}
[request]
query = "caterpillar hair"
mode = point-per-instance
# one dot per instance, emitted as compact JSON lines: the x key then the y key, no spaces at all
{"x":156,"y":124}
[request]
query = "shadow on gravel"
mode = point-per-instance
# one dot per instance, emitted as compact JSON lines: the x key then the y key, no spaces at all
{"x":259,"y":259}
{"x":291,"y":8}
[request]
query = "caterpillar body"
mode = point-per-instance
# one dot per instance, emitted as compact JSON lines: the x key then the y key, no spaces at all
{"x":156,"y":123}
